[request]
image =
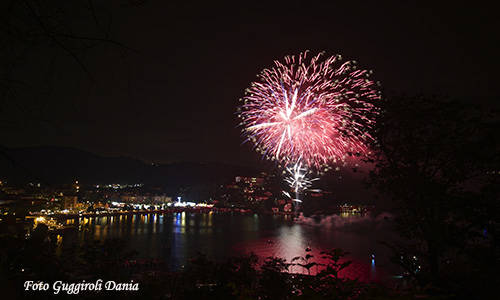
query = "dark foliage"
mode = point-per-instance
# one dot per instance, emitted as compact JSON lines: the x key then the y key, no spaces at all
{"x":437,"y":159}
{"x":40,"y":258}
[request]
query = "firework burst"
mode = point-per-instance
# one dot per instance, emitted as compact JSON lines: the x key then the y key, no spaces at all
{"x":310,"y":109}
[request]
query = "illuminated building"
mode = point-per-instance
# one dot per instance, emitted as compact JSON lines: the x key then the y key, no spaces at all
{"x":69,"y":201}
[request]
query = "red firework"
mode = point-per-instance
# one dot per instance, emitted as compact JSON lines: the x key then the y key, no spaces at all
{"x":316,"y":110}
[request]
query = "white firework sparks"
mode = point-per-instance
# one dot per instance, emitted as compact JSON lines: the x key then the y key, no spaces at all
{"x":298,"y":178}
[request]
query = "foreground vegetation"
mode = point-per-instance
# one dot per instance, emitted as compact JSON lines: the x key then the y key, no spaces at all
{"x":39,"y":258}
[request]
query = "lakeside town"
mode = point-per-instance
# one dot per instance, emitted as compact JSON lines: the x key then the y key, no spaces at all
{"x":64,"y":206}
{"x":249,"y":150}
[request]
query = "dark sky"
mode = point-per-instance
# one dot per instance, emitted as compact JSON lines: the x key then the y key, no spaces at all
{"x":174,"y":97}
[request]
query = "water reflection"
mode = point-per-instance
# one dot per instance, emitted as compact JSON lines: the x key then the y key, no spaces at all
{"x":175,"y":237}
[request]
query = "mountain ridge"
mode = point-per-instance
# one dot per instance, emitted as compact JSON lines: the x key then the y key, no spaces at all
{"x":57,"y":165}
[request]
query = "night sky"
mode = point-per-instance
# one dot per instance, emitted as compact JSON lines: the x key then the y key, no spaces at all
{"x":173,"y":97}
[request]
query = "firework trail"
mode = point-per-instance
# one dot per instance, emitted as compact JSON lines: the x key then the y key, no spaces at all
{"x":298,"y":178}
{"x":310,"y":110}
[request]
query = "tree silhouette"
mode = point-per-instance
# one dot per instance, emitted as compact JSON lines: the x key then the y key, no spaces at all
{"x":437,"y":160}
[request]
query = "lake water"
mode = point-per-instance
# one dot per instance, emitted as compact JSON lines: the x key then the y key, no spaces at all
{"x":176,"y":237}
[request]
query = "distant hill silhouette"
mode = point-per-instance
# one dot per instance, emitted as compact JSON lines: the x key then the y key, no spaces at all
{"x":56,"y":165}
{"x":59,"y":165}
